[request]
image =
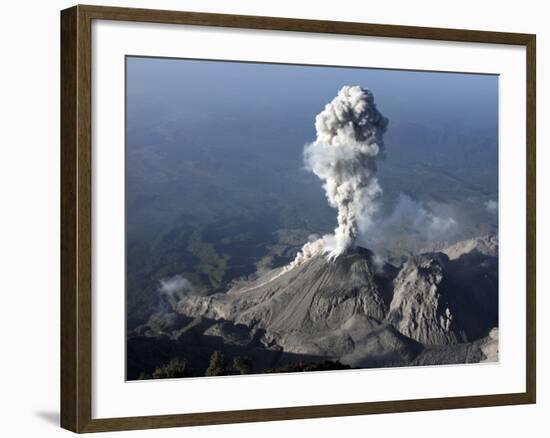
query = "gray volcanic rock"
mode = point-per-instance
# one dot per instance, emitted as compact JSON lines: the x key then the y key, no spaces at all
{"x":439,"y":300}
{"x":490,"y":346}
{"x":420,"y":308}
{"x":486,"y":245}
{"x":480,"y":350}
{"x":231,"y":334}
{"x":380,"y":345}
{"x":315,"y":297}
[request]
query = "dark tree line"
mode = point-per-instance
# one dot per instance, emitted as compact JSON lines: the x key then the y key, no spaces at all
{"x":220,"y":366}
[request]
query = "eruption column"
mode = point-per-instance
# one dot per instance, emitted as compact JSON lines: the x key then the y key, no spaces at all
{"x":349,"y":142}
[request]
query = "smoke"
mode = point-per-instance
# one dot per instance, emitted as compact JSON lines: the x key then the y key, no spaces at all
{"x":349,"y":142}
{"x":414,"y":218}
{"x":378,"y":262}
{"x":173,"y":289}
{"x":310,"y":249}
{"x":412,"y":225}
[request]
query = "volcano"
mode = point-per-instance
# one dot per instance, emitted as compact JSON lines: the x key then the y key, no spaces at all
{"x":356,"y":310}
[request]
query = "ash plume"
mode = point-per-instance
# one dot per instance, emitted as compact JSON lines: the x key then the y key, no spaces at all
{"x":312,"y":247}
{"x":173,"y":289}
{"x":349,"y":142}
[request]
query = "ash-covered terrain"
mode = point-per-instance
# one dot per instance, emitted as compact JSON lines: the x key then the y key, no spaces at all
{"x":356,"y":311}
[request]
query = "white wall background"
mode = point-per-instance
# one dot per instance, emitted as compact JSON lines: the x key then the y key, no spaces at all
{"x":29,"y":218}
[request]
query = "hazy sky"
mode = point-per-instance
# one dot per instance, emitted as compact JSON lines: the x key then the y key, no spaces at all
{"x":221,"y":87}
{"x":229,"y":132}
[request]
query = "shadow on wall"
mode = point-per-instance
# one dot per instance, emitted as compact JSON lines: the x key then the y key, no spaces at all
{"x":51,"y":417}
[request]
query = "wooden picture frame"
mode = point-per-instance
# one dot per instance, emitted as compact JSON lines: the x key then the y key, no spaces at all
{"x":76,"y":218}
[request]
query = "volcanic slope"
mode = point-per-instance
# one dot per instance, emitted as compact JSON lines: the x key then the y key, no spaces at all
{"x":356,"y":310}
{"x":359,"y":310}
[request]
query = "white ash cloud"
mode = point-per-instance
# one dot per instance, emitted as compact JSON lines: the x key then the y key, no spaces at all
{"x":174,"y":289}
{"x":434,"y":223}
{"x":314,"y":246}
{"x":378,"y":263}
{"x":349,"y":142}
{"x":438,"y":227}
{"x":175,"y":285}
{"x":414,"y":224}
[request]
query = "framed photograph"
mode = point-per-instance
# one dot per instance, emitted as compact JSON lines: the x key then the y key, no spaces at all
{"x":269,"y":218}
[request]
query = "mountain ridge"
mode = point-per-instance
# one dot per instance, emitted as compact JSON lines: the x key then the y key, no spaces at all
{"x":357,"y":309}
